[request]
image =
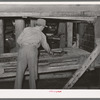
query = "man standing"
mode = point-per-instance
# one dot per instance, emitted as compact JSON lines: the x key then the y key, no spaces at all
{"x":29,"y":41}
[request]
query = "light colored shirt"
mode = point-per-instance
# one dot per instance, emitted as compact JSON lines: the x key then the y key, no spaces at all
{"x":33,"y":36}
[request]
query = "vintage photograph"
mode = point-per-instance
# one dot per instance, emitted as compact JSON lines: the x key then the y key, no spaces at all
{"x":50,"y":46}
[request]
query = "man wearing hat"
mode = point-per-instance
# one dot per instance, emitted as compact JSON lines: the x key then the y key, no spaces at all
{"x":29,"y":41}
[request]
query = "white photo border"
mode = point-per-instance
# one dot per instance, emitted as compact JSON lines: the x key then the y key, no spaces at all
{"x":50,"y":93}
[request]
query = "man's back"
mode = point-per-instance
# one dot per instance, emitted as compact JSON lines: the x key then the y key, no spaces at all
{"x":31,"y":35}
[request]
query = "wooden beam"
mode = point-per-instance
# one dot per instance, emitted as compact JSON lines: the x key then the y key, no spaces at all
{"x":1,"y":37}
{"x":8,"y":76}
{"x":62,"y":34}
{"x":81,"y":33}
{"x":77,"y":18}
{"x":97,"y":41}
{"x":97,"y":38}
{"x":19,"y":26}
{"x":19,"y":14}
{"x":48,"y":15}
{"x":97,"y":28}
{"x":69,"y":34}
{"x":32,"y":22}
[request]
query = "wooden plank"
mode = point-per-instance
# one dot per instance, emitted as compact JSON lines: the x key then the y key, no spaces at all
{"x":46,"y":69}
{"x":41,"y":75}
{"x":83,"y":68}
{"x":11,"y":76}
{"x":56,"y":75}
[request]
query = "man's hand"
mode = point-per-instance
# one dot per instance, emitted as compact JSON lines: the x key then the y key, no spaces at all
{"x":51,"y":53}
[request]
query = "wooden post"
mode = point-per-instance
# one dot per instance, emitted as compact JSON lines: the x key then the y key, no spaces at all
{"x":69,"y":34}
{"x":1,"y":37}
{"x":97,"y":28}
{"x":81,"y":33}
{"x":19,"y":26}
{"x":62,"y":34}
{"x":97,"y":41}
{"x":32,"y":22}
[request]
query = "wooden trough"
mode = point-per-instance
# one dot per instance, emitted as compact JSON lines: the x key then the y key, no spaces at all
{"x":57,"y":66}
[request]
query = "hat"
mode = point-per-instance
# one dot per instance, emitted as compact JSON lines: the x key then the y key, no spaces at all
{"x":41,"y":22}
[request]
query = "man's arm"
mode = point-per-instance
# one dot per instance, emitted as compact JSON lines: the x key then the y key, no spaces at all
{"x":45,"y":45}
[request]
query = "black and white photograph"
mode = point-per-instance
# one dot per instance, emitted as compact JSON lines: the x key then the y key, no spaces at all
{"x":64,"y":52}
